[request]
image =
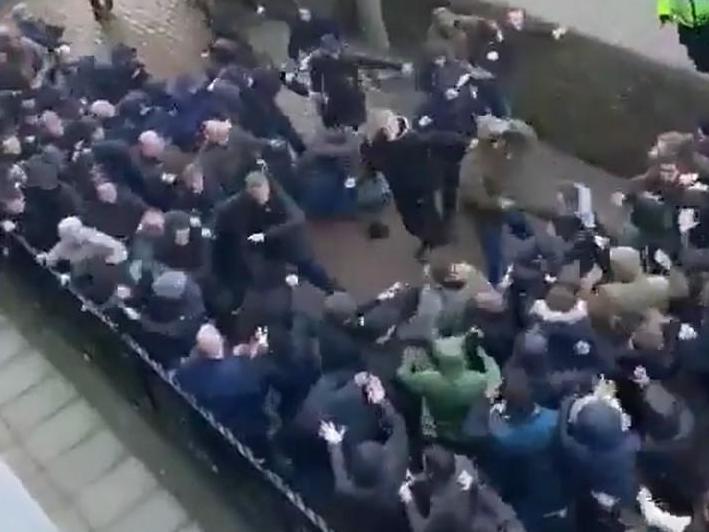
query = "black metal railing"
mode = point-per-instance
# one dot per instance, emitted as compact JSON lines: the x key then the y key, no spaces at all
{"x":153,"y":391}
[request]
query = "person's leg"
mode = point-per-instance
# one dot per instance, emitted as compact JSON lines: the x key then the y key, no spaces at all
{"x":315,"y":274}
{"x":96,"y":6}
{"x":701,"y":49}
{"x":109,"y":5}
{"x":451,"y":180}
{"x":490,"y":234}
{"x":688,"y":38}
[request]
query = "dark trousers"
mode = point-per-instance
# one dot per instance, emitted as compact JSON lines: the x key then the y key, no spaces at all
{"x":420,"y":216}
{"x":451,"y":182}
{"x":490,"y":235}
{"x":314,"y":272}
{"x":696,"y":40}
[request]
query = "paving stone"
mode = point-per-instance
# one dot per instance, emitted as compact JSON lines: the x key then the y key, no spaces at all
{"x":33,"y":479}
{"x":44,"y":492}
{"x":160,"y":512}
{"x":62,"y":431}
{"x":36,"y":404}
{"x":21,"y":463}
{"x":86,"y":462}
{"x":69,"y":520}
{"x":11,"y":342}
{"x":192,"y":527}
{"x":7,"y":440}
{"x":20,"y":374}
{"x":119,"y":490}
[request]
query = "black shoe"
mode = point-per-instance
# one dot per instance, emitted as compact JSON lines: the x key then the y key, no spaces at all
{"x":377,"y":231}
{"x":422,"y":253}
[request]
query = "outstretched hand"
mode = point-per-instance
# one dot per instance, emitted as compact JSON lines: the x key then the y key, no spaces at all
{"x":332,"y":434}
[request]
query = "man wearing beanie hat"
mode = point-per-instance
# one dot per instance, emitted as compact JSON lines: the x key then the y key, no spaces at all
{"x":263,"y":220}
{"x":48,"y":201}
{"x":335,"y":79}
{"x":185,"y":245}
{"x":600,"y":453}
{"x":337,"y":346}
{"x":171,"y":316}
{"x":666,"y":456}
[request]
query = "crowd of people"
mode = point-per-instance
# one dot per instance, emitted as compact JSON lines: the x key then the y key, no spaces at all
{"x":553,"y":390}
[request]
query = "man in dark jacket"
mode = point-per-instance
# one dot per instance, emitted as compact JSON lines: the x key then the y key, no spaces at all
{"x":264,"y":220}
{"x":335,"y":80}
{"x":232,"y":387}
{"x":48,"y":201}
{"x":114,"y":210}
{"x":370,"y":485}
{"x":403,"y":156}
{"x":306,"y":31}
{"x":171,"y":316}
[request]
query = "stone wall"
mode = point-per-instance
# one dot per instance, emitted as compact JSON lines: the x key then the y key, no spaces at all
{"x":600,"y":102}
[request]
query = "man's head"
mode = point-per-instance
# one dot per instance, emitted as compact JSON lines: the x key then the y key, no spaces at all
{"x":107,"y":192}
{"x":340,"y":307}
{"x":305,"y":14}
{"x":258,"y":187}
{"x":13,"y":201}
{"x":210,"y":342}
{"x":518,"y":393}
{"x":69,"y":229}
{"x":151,"y":144}
{"x":515,"y":18}
{"x":668,"y":172}
{"x":331,"y":45}
{"x":52,"y":123}
{"x":102,"y":109}
{"x":153,"y":222}
{"x":439,"y":463}
{"x":217,"y":131}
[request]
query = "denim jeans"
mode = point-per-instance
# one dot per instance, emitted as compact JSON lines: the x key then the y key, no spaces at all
{"x":490,"y":235}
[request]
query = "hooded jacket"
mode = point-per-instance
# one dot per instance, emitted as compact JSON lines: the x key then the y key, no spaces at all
{"x":451,"y":389}
{"x":487,"y":171}
{"x":632,"y":290}
{"x":375,"y":473}
{"x":443,"y":309}
{"x":194,"y":257}
{"x":599,"y":453}
{"x":448,"y":31}
{"x":527,"y":451}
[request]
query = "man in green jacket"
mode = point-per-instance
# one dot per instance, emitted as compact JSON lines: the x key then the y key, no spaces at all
{"x":451,"y":388}
{"x":692,"y":19}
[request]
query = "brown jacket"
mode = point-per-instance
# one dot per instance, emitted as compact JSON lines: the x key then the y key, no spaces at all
{"x":487,"y":170}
